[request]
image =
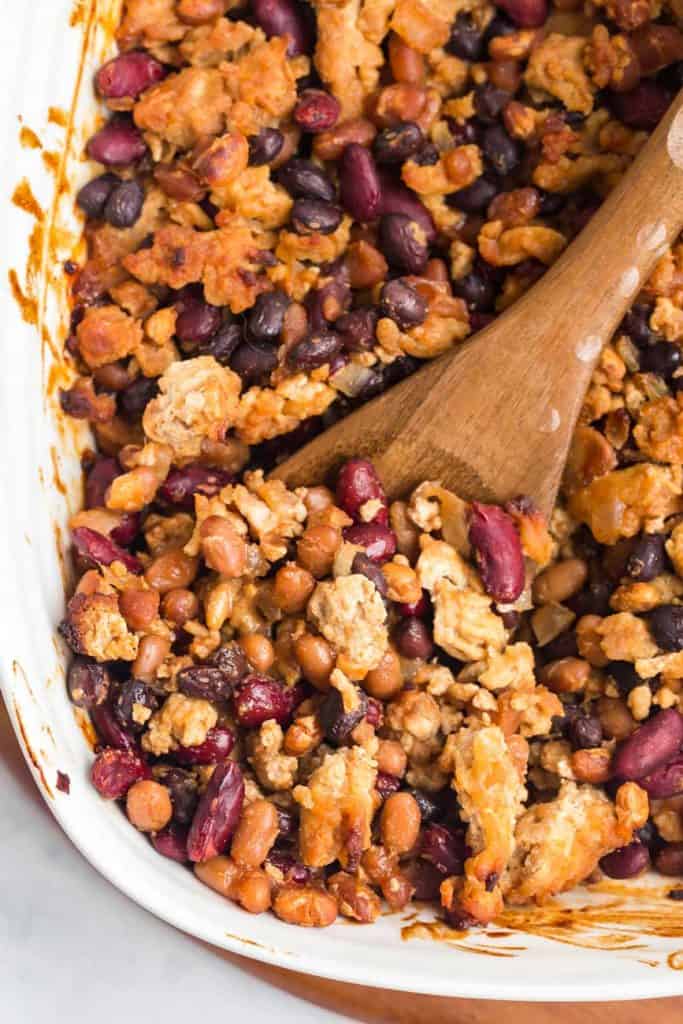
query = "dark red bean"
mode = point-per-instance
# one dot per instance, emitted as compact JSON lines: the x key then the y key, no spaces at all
{"x":475,"y":197}
{"x":99,"y":477}
{"x":205,"y":681}
{"x":357,"y":484}
{"x":466,"y":39}
{"x":284,"y":18}
{"x":445,"y":849}
{"x":218,"y":813}
{"x":88,"y":683}
{"x":197,"y":321}
{"x":669,"y":860}
{"x":666,"y":781}
{"x":357,"y":329}
{"x":95,"y":547}
{"x":292,"y":869}
{"x":652,"y":745}
{"x":498,"y":551}
{"x":253,"y":362}
{"x":364,"y":566}
{"x":666,"y":623}
{"x":395,"y":145}
{"x":316,"y":350}
{"x":128,"y":529}
{"x":387,"y":784}
{"x":124,"y":204}
{"x":135,"y":396}
{"x":418,"y":609}
{"x":109,"y":729}
{"x":181,"y":485}
{"x":128,"y":75}
{"x":114,"y":772}
{"x":526,"y":13}
{"x":183,"y":790}
{"x":304,"y":180}
{"x":130,"y":695}
{"x":265,"y":147}
{"x":93,"y":196}
{"x":266,"y":317}
{"x":314,"y":215}
{"x":425,"y":879}
{"x":360,"y":190}
{"x":216,"y":748}
{"x":117,"y":144}
{"x":232,"y":662}
{"x":374,"y":714}
{"x":223,"y":343}
{"x":259,"y":699}
{"x":648,"y":555}
{"x":489,"y":102}
{"x":171,"y":842}
{"x":642,"y":107}
{"x":317,"y":111}
{"x":414,"y":639}
{"x":402,"y":303}
{"x":377,"y":539}
{"x":325,"y":304}
{"x":402,"y":241}
{"x":627,"y":861}
{"x":500,"y":149}
{"x":338,"y":724}
{"x":396,"y":198}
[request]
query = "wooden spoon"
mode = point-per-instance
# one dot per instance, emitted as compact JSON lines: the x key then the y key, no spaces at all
{"x":494,"y":417}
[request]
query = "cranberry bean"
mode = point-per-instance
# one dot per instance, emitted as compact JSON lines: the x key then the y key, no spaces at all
{"x":378,"y":540}
{"x":475,"y":197}
{"x":205,"y":681}
{"x":260,"y":698}
{"x":109,"y":730}
{"x":117,"y":144}
{"x":315,"y":350}
{"x":305,"y":180}
{"x":218,"y":813}
{"x":396,"y":198}
{"x":314,"y":215}
{"x":317,"y":111}
{"x":265,"y":147}
{"x":171,"y":842}
{"x":642,"y":107}
{"x":652,"y":745}
{"x":648,"y":555}
{"x":183,"y":790}
{"x":216,"y":748}
{"x":93,"y":196}
{"x":102,"y":550}
{"x":666,"y":623}
{"x":114,"y":772}
{"x":87,"y":682}
{"x":135,"y":396}
{"x":360,"y":190}
{"x":498,"y":551}
{"x":387,"y":784}
{"x":526,"y":13}
{"x":627,"y":861}
{"x":128,"y":75}
{"x":414,"y":640}
{"x":395,"y":145}
{"x":364,"y":566}
{"x":284,"y":18}
{"x":181,"y":485}
{"x":669,"y":860}
{"x":337,"y":723}
{"x":253,"y":362}
{"x":100,"y":476}
{"x":357,"y":329}
{"x":131,"y":695}
{"x":445,"y":849}
{"x":500,"y":149}
{"x":402,"y":303}
{"x":666,"y":781}
{"x":223,"y":343}
{"x":124,"y":204}
{"x":357,"y":484}
{"x":266,"y":317}
{"x":402,"y":242}
{"x":466,"y":39}
{"x":197,"y":321}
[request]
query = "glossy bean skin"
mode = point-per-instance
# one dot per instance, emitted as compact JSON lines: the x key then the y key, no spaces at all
{"x":650,"y":746}
{"x":218,"y":813}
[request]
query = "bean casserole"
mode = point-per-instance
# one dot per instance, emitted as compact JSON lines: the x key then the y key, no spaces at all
{"x":318,"y":699}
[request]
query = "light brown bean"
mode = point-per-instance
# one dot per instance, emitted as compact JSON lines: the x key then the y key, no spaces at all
{"x":306,"y":906}
{"x":171,"y":569}
{"x":592,"y":765}
{"x":252,"y":891}
{"x":331,"y":144}
{"x":151,"y":653}
{"x":392,"y":758}
{"x":616,"y":719}
{"x":560,"y":581}
{"x":219,"y":873}
{"x":139,"y":607}
{"x":386,"y":680}
{"x":148,"y":805}
{"x":407,"y":64}
{"x":258,"y":650}
{"x":316,"y":549}
{"x":179,"y":605}
{"x":223,"y":549}
{"x":315,"y":658}
{"x":256,"y":833}
{"x":292,"y":588}
{"x":399,"y":822}
{"x":566,"y":675}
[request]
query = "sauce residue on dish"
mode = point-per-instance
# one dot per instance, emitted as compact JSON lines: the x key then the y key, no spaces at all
{"x":29,"y":139}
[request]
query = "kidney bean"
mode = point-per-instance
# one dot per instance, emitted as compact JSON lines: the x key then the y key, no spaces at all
{"x":498,"y":551}
{"x":128,"y":75}
{"x":128,"y":529}
{"x":284,"y":18}
{"x":360,"y":190}
{"x":130,"y":694}
{"x":253,"y":362}
{"x":396,"y":144}
{"x":364,"y":566}
{"x":87,"y":682}
{"x":526,"y":13}
{"x":117,"y":144}
{"x":666,"y":623}
{"x":197,"y":321}
{"x":114,"y":772}
{"x":91,"y":198}
{"x":215,"y":748}
{"x":317,"y":111}
{"x":642,"y":107}
{"x":338,"y":724}
{"x":357,"y":329}
{"x":414,"y":639}
{"x":650,"y":746}
{"x":627,"y":861}
{"x":260,"y":698}
{"x":401,"y":302}
{"x":124,"y":204}
{"x":402,"y":242}
{"x":109,"y":730}
{"x":357,"y":484}
{"x":648,"y":556}
{"x":218,"y":813}
{"x":396,"y":198}
{"x":662,"y":358}
{"x":181,"y":485}
{"x":669,"y":860}
{"x":500,"y":149}
{"x":420,"y":609}
{"x":265,"y":147}
{"x":304,"y":180}
{"x":315,"y":350}
{"x":666,"y":781}
{"x":314,"y":215}
{"x":445,"y":849}
{"x":99,"y":477}
{"x":171,"y":842}
{"x":378,"y":540}
{"x":102,"y":550}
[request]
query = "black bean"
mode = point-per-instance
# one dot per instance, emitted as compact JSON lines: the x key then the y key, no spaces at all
{"x":463,"y":133}
{"x":427,"y":156}
{"x":403,"y":242}
{"x":401,"y":303}
{"x":585,"y":732}
{"x":648,"y":558}
{"x":88,"y":683}
{"x":475,"y":197}
{"x":636,"y":324}
{"x":315,"y":350}
{"x":207,"y":682}
{"x":489,"y":102}
{"x":133,"y":400}
{"x":124,"y":204}
{"x":413,"y":639}
{"x":232,"y":661}
{"x":663,"y":358}
{"x":430,"y":808}
{"x":477,"y":289}
{"x":93,"y":196}
{"x":551,"y":203}
{"x":592,"y":600}
{"x":252,"y":361}
{"x":357,"y":329}
{"x":500,"y":25}
{"x":396,"y":144}
{"x":338,"y":724}
{"x":624,"y":675}
{"x":364,"y":566}
{"x":666,"y":623}
{"x":501,"y":151}
{"x":466,"y":39}
{"x":648,"y":834}
{"x":131,"y":698}
{"x":223,"y":344}
{"x":264,"y":147}
{"x":182,"y":788}
{"x":304,"y":180}
{"x":265,"y":319}
{"x":315,"y":215}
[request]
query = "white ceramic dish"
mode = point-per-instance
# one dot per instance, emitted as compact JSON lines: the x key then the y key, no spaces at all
{"x":40,"y":56}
